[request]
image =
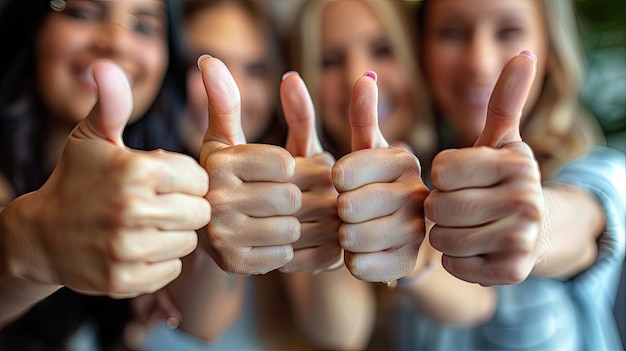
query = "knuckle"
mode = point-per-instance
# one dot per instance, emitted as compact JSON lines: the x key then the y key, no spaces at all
{"x":518,"y":241}
{"x":341,"y":175}
{"x":293,"y":229}
{"x":345,"y":207}
{"x":293,"y":194}
{"x":116,"y":282}
{"x":121,"y":249}
{"x":514,"y":275}
{"x":354,"y":265}
{"x":348,"y":237}
{"x":287,"y":162}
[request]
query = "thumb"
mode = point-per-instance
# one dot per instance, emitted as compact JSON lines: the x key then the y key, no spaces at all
{"x":113,"y":108}
{"x":364,"y":114}
{"x":224,"y":102}
{"x":507,"y":101}
{"x":302,"y":139}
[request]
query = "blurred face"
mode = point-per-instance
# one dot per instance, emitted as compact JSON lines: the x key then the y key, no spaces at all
{"x":229,"y":33}
{"x":354,"y":42}
{"x":131,"y":32}
{"x":467,"y":43}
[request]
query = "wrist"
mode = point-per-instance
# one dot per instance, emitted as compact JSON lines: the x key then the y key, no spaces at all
{"x":17,"y":248}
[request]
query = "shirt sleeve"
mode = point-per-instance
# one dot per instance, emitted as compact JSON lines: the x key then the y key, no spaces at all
{"x":602,"y":172}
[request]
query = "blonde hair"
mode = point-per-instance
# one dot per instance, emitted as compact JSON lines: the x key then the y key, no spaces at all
{"x":395,"y":18}
{"x":558,"y":128}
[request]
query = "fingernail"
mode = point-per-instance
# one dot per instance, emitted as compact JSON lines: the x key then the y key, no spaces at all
{"x":289,"y":74}
{"x":202,"y":58}
{"x":172,"y":323}
{"x":531,"y":56}
{"x":371,"y":74}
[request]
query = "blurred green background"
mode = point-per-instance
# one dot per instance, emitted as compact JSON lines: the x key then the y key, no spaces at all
{"x":603,"y":35}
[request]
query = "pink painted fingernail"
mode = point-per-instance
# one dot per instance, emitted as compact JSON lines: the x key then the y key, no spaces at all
{"x":371,"y":74}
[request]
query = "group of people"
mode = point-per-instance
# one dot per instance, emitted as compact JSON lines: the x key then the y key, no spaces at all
{"x":382,"y":176}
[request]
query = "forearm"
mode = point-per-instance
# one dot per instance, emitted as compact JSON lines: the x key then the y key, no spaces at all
{"x":573,"y":221}
{"x":443,"y":297}
{"x":334,"y":309}
{"x":17,"y":295}
{"x":209,"y":299}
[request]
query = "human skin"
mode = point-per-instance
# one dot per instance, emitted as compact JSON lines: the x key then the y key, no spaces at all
{"x":276,"y":208}
{"x":466,"y":46}
{"x":549,"y":231}
{"x":212,"y":30}
{"x":69,"y":42}
{"x":128,"y":231}
{"x":132,"y":226}
{"x":354,"y":41}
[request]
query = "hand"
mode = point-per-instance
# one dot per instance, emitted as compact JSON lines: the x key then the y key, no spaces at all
{"x":488,"y":206}
{"x":318,"y":247}
{"x":253,"y":202}
{"x":111,"y":220}
{"x":148,"y":311}
{"x":380,"y":196}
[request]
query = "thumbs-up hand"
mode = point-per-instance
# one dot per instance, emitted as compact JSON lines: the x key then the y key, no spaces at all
{"x":380,"y":196}
{"x":111,"y":220}
{"x":253,"y":202}
{"x":318,"y":247}
{"x":488,"y":206}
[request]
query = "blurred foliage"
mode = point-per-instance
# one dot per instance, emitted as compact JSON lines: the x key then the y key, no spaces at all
{"x":603,"y":35}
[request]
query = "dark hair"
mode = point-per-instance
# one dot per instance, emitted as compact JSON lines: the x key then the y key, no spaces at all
{"x":22,"y":124}
{"x":22,"y":119}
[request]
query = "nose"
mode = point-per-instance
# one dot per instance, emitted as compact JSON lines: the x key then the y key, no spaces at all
{"x":114,"y":38}
{"x":356,"y":65}
{"x":482,"y":58}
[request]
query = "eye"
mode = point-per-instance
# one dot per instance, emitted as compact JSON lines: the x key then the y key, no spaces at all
{"x":509,"y":33}
{"x":149,"y":26}
{"x":331,"y":60}
{"x":452,"y":33}
{"x":257,"y":69}
{"x":382,"y":50}
{"x":84,"y":11}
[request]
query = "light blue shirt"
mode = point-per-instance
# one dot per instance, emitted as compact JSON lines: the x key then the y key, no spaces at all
{"x":547,"y":314}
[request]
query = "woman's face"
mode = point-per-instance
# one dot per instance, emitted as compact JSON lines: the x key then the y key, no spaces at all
{"x":228,"y":32}
{"x":466,"y":45}
{"x":354,"y":41}
{"x":131,"y":32}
